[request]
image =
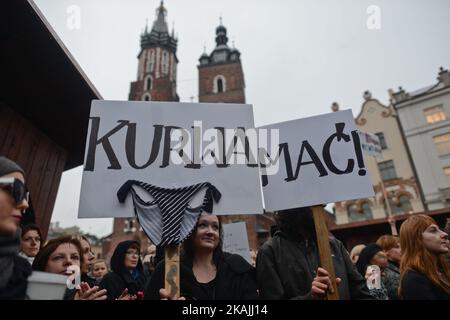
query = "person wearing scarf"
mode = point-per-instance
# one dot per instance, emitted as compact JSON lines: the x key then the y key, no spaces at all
{"x":14,"y":270}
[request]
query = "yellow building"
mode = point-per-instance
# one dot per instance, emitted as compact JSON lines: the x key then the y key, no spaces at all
{"x":394,"y":169}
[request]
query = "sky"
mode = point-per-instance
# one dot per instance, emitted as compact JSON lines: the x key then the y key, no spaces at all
{"x":298,"y":56}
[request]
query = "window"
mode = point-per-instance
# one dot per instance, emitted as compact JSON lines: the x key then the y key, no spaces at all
{"x":148,"y":84}
{"x":219,"y":85}
{"x":399,"y":206}
{"x":150,"y":60}
{"x":356,"y":213}
{"x":146,"y":97}
{"x":165,"y":63}
{"x":442,"y":143}
{"x":387,"y":170}
{"x":447,"y":174}
{"x":380,"y":136}
{"x":435,"y":114}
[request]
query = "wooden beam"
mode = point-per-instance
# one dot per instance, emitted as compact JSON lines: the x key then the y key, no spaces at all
{"x":323,"y":243}
{"x":172,"y":271}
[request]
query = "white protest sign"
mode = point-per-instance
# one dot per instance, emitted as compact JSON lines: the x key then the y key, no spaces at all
{"x":169,"y":145}
{"x":320,"y":161}
{"x":370,"y":144}
{"x":235,"y":240}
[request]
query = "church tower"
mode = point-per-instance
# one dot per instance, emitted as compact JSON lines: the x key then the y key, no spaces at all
{"x":157,"y":66}
{"x":221,"y":80}
{"x":220,"y":74}
{"x":156,"y":81}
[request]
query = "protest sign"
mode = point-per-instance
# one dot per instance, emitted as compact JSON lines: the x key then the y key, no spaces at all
{"x":370,"y":144}
{"x":170,"y":145}
{"x":319,"y":161}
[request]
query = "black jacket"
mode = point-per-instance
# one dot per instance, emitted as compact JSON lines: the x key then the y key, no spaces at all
{"x":120,"y":278}
{"x":235,"y":280}
{"x":286,"y":267}
{"x":17,"y":285}
{"x":416,"y":286}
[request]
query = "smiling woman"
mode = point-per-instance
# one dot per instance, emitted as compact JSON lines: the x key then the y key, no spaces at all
{"x":206,"y":272}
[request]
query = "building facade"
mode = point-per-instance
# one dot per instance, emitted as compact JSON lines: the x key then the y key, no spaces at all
{"x":394,"y":170}
{"x":424,"y":118}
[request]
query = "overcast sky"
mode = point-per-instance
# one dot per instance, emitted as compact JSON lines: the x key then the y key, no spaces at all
{"x":298,"y":56}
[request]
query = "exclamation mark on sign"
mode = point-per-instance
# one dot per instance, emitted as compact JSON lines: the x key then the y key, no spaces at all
{"x":359,"y":156}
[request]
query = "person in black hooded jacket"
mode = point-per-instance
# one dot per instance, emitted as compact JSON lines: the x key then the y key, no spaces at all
{"x":207,"y":273}
{"x":288,"y":265}
{"x":126,"y":279}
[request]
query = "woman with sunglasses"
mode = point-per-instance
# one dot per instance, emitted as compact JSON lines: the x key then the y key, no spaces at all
{"x":14,"y":270}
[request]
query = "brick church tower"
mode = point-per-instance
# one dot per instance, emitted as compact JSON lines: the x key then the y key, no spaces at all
{"x":157,"y":66}
{"x":220,"y":74}
{"x":156,"y":81}
{"x":221,"y":79}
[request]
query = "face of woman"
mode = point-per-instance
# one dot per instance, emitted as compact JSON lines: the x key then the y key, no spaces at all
{"x":88,"y":256}
{"x":131,"y":258}
{"x":31,"y":243}
{"x":207,"y":235}
{"x":65,"y":255}
{"x":99,"y":270}
{"x":435,"y":240}
{"x":379,"y":259}
{"x":394,"y":254}
{"x":10,"y":212}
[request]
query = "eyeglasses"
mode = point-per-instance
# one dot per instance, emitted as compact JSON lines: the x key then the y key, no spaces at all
{"x":16,"y":189}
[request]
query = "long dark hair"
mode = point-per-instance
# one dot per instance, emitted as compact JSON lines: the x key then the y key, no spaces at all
{"x":41,"y":260}
{"x":188,"y":249}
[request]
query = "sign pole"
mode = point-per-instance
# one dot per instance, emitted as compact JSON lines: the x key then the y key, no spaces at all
{"x":172,"y":271}
{"x":323,"y":243}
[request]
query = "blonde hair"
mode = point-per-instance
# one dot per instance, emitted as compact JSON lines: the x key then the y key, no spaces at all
{"x":356,"y":251}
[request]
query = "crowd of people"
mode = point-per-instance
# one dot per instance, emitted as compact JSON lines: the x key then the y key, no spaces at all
{"x":412,"y":265}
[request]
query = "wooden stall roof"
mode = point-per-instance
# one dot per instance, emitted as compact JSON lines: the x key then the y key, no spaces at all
{"x":41,"y":81}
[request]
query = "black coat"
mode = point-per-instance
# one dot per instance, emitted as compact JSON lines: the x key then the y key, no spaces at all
{"x":235,"y":280}
{"x":121,"y":278}
{"x":286,"y":267}
{"x":17,"y":285}
{"x":416,"y":286}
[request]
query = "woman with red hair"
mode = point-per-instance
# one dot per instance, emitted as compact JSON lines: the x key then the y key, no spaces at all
{"x":424,"y":273}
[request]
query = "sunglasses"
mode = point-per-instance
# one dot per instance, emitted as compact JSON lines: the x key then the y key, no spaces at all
{"x":15,"y":188}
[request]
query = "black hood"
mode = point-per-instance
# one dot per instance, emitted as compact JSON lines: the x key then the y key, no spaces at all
{"x":118,"y":257}
{"x":365,"y":256}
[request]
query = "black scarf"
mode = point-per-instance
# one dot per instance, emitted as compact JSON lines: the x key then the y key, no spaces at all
{"x":9,"y":248}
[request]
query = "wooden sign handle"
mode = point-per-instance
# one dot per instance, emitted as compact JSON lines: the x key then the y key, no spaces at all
{"x":323,"y":243}
{"x":172,"y":271}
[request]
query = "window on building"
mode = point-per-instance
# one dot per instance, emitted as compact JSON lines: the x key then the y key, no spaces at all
{"x":356,"y":213}
{"x":219,"y":85}
{"x":387,"y":170}
{"x":148,"y":84}
{"x":447,"y":174}
{"x":435,"y":114}
{"x":405,"y":204}
{"x":147,"y":97}
{"x":442,"y":143}
{"x":380,"y":136}
{"x":165,"y":63}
